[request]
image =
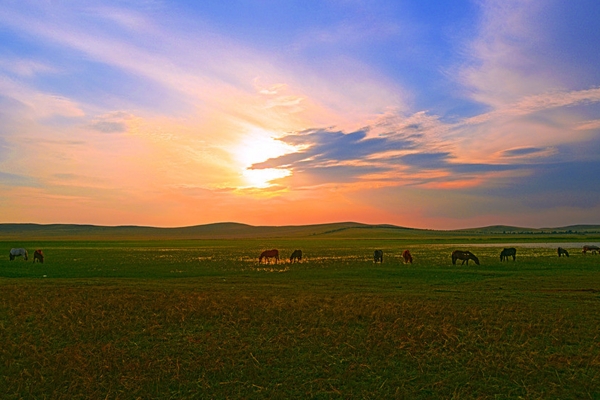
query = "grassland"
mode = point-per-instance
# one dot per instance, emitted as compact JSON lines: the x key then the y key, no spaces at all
{"x":202,"y":319}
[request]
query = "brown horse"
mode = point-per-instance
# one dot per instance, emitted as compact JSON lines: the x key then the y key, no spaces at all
{"x":592,"y":248}
{"x":296,"y":256}
{"x":38,"y":256}
{"x":464,"y":256}
{"x":407,"y":257}
{"x":510,"y":252}
{"x":562,"y":252}
{"x":267,"y":254}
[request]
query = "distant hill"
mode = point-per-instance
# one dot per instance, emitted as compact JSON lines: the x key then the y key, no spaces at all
{"x":504,"y":229}
{"x":227,"y":230}
{"x":230,"y":230}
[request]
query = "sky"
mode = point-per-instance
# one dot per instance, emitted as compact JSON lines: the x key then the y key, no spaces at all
{"x":424,"y":114}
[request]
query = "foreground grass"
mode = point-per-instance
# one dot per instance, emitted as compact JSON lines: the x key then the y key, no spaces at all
{"x":204,"y":320}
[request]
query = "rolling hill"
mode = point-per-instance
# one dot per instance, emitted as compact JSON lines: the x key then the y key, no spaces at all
{"x":230,"y":230}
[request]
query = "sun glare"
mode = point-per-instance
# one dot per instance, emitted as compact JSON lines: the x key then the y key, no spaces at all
{"x":261,"y":178}
{"x":259,"y":145}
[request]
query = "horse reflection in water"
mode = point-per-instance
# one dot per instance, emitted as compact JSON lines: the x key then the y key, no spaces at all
{"x":464,"y":256}
{"x":268,"y":254}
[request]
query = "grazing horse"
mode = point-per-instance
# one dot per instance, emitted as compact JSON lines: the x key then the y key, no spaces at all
{"x":511,"y":251}
{"x":296,"y":256}
{"x":17,"y":253}
{"x":378,"y":256}
{"x":562,"y":252}
{"x":464,"y":256}
{"x":38,"y":256}
{"x":407,"y":257}
{"x":267,"y":254}
{"x":592,"y":248}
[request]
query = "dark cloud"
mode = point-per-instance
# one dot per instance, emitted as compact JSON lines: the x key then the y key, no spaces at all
{"x":426,"y":160}
{"x":547,"y":185}
{"x":330,"y":156}
{"x":523,"y":151}
{"x":341,"y":174}
{"x":483,"y":168}
{"x":325,"y":146}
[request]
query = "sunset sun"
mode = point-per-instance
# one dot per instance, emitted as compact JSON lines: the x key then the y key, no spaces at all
{"x":258,"y":146}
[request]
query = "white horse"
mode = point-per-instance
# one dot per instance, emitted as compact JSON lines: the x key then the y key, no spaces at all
{"x":17,"y":253}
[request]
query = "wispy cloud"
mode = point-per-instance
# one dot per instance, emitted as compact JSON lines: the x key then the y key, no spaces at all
{"x":588,"y":125}
{"x":501,"y":65}
{"x":540,"y":102}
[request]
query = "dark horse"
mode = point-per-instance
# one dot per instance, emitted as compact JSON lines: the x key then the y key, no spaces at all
{"x":464,"y":256}
{"x":562,"y":252}
{"x":267,"y":254}
{"x":592,"y":248}
{"x":510,"y":252}
{"x":38,"y":256}
{"x":378,"y":256}
{"x":407,"y":257}
{"x":296,"y":256}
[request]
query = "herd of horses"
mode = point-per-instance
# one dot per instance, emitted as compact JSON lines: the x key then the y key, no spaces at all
{"x":457,"y":255}
{"x":38,"y":255}
{"x":273,"y":255}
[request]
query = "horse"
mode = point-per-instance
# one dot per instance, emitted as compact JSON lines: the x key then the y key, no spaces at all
{"x":592,"y":248}
{"x":378,"y":256}
{"x":267,"y":254}
{"x":407,"y":257}
{"x":511,"y":251}
{"x":562,"y":251}
{"x":296,"y":256}
{"x":38,"y":256}
{"x":17,"y":253}
{"x":464,"y":256}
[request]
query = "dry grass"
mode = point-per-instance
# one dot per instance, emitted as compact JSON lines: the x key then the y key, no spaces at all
{"x":327,"y":328}
{"x":115,"y":341}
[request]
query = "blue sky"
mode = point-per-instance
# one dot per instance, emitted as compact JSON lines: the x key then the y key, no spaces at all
{"x":416,"y":113}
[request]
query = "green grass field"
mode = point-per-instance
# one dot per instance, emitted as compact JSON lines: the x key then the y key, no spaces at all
{"x":202,"y":319}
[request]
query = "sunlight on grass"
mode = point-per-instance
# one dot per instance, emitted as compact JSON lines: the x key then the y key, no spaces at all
{"x":204,"y":318}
